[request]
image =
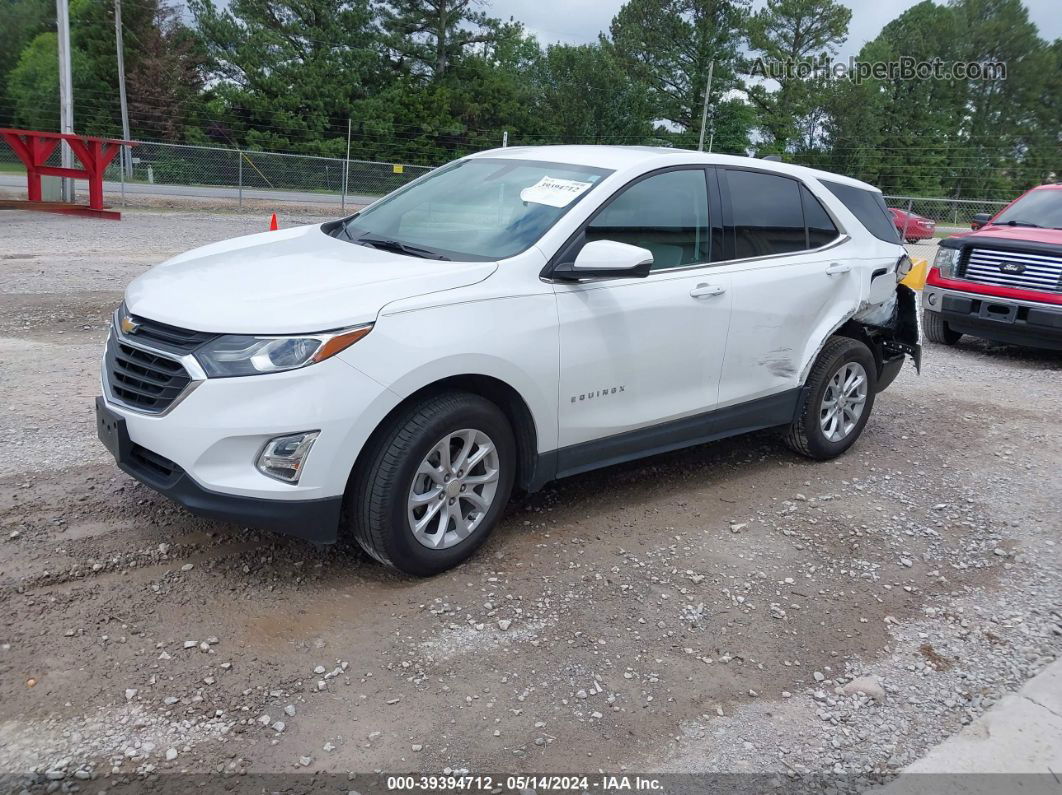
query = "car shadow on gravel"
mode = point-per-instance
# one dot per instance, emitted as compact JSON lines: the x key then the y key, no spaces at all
{"x":86,"y":522}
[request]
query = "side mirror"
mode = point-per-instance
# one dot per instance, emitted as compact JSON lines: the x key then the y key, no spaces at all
{"x":607,"y":259}
{"x":979,"y":220}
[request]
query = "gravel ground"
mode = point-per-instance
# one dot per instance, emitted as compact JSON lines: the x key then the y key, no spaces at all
{"x":729,"y":608}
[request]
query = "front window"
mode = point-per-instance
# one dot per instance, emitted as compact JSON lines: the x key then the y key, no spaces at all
{"x":1040,"y":208}
{"x":666,"y":214}
{"x":476,"y":209}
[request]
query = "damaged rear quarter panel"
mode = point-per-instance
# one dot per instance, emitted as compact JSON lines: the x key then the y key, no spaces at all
{"x":891,"y":328}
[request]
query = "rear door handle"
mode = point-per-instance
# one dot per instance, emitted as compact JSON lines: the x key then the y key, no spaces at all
{"x":837,"y":267}
{"x":707,"y":290}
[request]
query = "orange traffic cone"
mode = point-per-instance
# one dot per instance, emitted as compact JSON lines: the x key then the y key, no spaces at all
{"x":273,"y":227}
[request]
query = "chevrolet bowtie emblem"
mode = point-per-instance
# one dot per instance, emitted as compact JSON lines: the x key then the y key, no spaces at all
{"x":128,"y":325}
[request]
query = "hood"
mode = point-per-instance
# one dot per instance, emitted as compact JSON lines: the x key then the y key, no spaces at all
{"x":1052,"y":237}
{"x":287,"y":282}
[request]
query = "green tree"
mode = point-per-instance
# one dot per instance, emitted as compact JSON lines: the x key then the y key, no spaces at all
{"x":900,"y":134}
{"x":791,"y":32}
{"x":978,"y":137}
{"x":289,"y":73}
{"x":1002,"y":115}
{"x":421,"y":117}
{"x":21,"y":21}
{"x":583,"y":95}
{"x":427,"y":36}
{"x":165,"y":78}
{"x":33,"y":85}
{"x":97,"y":109}
{"x":1043,"y":153}
{"x":669,"y":45}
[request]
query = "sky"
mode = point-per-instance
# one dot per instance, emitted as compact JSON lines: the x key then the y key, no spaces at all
{"x":579,"y":21}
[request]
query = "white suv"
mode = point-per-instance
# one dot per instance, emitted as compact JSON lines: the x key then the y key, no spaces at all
{"x":513,"y":317}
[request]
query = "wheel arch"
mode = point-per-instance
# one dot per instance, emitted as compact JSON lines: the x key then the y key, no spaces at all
{"x":888,"y":344}
{"x":498,"y":392}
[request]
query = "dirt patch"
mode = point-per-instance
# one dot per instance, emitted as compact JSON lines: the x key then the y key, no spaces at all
{"x":935,"y":659}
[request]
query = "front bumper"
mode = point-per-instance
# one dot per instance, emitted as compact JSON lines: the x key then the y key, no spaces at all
{"x":315,"y":520}
{"x":1003,"y":320}
{"x":202,"y":452}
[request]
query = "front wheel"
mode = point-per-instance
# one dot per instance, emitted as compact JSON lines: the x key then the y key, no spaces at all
{"x":433,"y":488}
{"x":837,"y":401}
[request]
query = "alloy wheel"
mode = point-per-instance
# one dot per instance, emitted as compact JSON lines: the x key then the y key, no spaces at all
{"x":843,"y":401}
{"x":453,"y":488}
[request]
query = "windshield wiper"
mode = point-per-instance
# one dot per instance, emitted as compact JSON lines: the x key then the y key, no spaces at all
{"x":399,"y":247}
{"x":1022,"y":223}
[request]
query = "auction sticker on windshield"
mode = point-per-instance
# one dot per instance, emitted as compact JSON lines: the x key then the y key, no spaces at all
{"x":554,"y":192}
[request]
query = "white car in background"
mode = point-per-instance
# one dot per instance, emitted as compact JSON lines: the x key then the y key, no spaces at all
{"x":513,"y":317}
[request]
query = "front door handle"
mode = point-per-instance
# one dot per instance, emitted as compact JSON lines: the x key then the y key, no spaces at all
{"x":837,"y":267}
{"x":707,"y":290}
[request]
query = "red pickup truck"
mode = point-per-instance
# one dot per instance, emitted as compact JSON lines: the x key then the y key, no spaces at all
{"x":1002,"y":282}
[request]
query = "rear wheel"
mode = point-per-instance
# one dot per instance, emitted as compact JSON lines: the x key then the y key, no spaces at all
{"x":837,"y":402}
{"x":434,"y":487}
{"x":937,"y":330}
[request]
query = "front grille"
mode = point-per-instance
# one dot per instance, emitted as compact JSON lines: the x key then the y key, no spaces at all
{"x":1020,"y":269}
{"x":169,"y":338}
{"x":143,"y":380}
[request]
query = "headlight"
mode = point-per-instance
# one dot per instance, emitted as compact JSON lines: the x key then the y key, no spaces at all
{"x":947,"y":261}
{"x":233,"y":355}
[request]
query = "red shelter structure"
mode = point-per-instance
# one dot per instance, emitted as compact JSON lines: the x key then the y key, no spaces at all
{"x":34,"y":148}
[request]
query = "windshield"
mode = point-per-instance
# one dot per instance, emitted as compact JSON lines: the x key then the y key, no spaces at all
{"x":477,"y":209}
{"x":1042,"y":208}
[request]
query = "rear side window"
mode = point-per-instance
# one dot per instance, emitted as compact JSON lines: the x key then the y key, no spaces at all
{"x":869,"y":207}
{"x":766,"y":213}
{"x":821,"y":229}
{"x":666,"y":213}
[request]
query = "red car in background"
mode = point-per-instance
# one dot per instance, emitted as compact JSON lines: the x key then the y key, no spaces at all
{"x":912,"y":227}
{"x":1002,"y":282}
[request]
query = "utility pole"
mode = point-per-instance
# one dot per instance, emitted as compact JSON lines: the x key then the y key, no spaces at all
{"x":704,"y":112}
{"x":66,"y":92}
{"x":127,"y":165}
{"x":346,"y":171}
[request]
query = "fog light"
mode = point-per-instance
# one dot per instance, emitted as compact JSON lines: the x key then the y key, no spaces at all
{"x":283,"y":456}
{"x":932,"y":298}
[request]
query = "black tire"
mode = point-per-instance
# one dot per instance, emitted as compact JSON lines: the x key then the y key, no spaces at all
{"x":937,"y":330}
{"x":805,"y":435}
{"x":376,"y":502}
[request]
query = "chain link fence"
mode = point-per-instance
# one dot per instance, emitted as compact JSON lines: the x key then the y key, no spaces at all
{"x":253,"y":171}
{"x":160,"y":169}
{"x":950,"y":214}
{"x":922,"y":221}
